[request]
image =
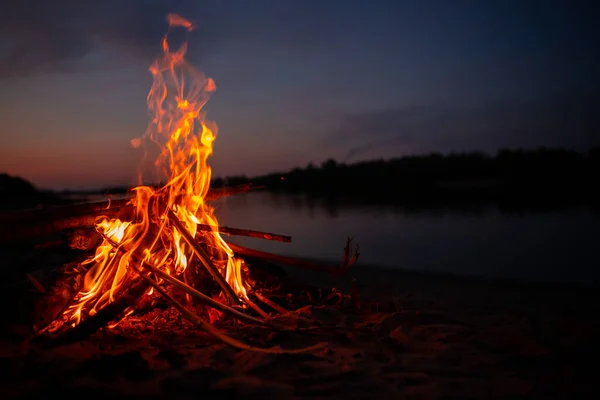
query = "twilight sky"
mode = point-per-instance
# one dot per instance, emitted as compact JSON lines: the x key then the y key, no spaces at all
{"x":297,"y":81}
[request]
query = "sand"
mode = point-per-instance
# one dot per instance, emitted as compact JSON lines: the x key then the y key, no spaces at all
{"x":414,"y":336}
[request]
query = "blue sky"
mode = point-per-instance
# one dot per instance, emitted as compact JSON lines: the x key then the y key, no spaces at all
{"x":297,"y":81}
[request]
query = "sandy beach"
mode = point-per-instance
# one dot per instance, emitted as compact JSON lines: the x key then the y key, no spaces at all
{"x":402,"y":334}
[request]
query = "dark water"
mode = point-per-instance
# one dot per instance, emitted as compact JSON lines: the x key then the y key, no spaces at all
{"x":551,"y":246}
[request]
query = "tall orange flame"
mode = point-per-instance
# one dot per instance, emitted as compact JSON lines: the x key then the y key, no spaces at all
{"x":184,"y":140}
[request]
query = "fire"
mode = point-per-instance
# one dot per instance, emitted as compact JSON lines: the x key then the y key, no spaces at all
{"x":184,"y":140}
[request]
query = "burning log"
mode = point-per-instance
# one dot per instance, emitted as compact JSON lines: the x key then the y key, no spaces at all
{"x":56,"y":298}
{"x":113,"y":311}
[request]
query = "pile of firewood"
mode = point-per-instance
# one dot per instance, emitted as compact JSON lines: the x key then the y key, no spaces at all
{"x":75,"y":228}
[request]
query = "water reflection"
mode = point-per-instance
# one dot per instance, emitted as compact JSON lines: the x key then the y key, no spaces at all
{"x":550,"y":246}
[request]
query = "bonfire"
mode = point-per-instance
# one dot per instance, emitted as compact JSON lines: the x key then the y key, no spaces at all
{"x":168,"y":236}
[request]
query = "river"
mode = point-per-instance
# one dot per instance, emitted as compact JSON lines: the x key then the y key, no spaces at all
{"x":560,"y":246}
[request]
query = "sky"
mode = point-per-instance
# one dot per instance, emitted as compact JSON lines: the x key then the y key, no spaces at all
{"x":298,"y":81}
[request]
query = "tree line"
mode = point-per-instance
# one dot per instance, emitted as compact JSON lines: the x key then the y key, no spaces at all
{"x":539,"y":177}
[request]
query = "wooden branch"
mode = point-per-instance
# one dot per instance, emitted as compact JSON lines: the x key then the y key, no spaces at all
{"x":28,"y":224}
{"x":56,"y":299}
{"x":296,"y":262}
{"x":204,"y":258}
{"x":110,"y":312}
{"x":245,"y":232}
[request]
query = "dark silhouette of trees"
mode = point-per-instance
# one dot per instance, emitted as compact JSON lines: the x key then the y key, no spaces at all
{"x":17,"y":193}
{"x":511,"y":178}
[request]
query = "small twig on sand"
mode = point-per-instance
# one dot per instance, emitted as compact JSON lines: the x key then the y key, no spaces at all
{"x":207,"y":327}
{"x":204,"y":258}
{"x":349,"y":261}
{"x":337,"y":295}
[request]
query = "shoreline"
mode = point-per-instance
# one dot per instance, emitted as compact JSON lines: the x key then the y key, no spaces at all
{"x":360,"y":271}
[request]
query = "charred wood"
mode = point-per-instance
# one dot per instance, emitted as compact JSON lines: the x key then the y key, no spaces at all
{"x":112,"y":312}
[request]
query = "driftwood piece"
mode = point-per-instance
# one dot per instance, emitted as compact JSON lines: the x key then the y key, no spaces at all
{"x":28,"y":224}
{"x":246,"y":232}
{"x":349,"y":259}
